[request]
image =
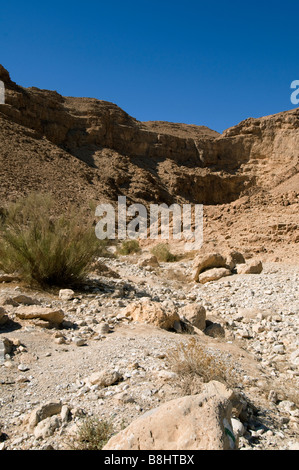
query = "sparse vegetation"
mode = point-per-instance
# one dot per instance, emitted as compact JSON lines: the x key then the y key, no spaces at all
{"x":163,"y":254}
{"x":196,"y":365}
{"x":45,"y":249}
{"x":92,"y":434}
{"x":128,"y":247}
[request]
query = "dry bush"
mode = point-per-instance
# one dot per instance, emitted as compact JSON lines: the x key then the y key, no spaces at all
{"x":195,"y":365}
{"x":128,"y":247}
{"x":92,"y":434}
{"x":162,"y":253}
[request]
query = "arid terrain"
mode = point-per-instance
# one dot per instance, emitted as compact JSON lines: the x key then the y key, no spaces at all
{"x":106,"y":350}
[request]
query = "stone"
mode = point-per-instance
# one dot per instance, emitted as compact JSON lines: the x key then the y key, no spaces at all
{"x":103,"y":328}
{"x":8,"y":277}
{"x":6,"y":346}
{"x":215,"y":330}
{"x":104,"y":378}
{"x":3,"y":316}
{"x":196,"y":422}
{"x":7,"y":300}
{"x":251,"y":267}
{"x":23,"y":367}
{"x":47,"y":427}
{"x":213,"y":275}
{"x":65,"y":414}
{"x":25,"y":300}
{"x":52,"y":315}
{"x":42,"y":323}
{"x":123,"y":397}
{"x":44,"y":411}
{"x":238,"y":427}
{"x":66,"y":294}
{"x":194,"y":314}
{"x":79,"y":341}
{"x":147,"y":259}
{"x":294,"y":357}
{"x":206,"y":261}
{"x":234,"y":258}
{"x":147,"y":311}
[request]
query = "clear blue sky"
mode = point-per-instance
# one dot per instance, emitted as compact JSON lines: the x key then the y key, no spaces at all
{"x":206,"y":63}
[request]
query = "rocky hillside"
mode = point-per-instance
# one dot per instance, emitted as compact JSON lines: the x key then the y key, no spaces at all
{"x":83,"y":149}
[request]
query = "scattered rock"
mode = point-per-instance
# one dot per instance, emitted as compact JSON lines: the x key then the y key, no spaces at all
{"x":234,"y":258}
{"x":103,"y":328}
{"x":147,"y":259}
{"x":44,"y":411}
{"x":215,"y":330}
{"x":66,"y":294}
{"x":104,"y":378}
{"x":79,"y":341}
{"x":213,"y":275}
{"x":43,"y":313}
{"x":251,"y":267}
{"x":203,"y":262}
{"x":194,"y":314}
{"x":47,"y":427}
{"x":25,"y":300}
{"x":23,"y":367}
{"x":155,"y":313}
{"x":8,"y":277}
{"x":5,"y":348}
{"x":3,"y":317}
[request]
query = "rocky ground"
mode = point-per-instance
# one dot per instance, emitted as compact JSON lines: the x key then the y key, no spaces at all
{"x":251,"y":321}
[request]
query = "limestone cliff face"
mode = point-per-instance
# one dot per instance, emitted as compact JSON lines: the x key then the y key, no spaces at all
{"x":152,"y":162}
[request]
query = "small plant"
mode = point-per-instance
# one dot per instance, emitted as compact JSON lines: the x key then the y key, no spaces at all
{"x":92,"y":434}
{"x":195,"y":365}
{"x":129,"y":246}
{"x":44,"y":248}
{"x":162,"y":253}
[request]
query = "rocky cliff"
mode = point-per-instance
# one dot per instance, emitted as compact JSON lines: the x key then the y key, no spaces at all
{"x":84,"y":149}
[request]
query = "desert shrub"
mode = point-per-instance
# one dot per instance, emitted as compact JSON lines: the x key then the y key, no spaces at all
{"x":44,"y":248}
{"x":92,"y":434}
{"x":162,"y":253}
{"x":194,"y":364}
{"x":128,"y":247}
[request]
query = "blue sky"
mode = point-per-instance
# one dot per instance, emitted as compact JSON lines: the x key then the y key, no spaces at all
{"x":205,"y":63}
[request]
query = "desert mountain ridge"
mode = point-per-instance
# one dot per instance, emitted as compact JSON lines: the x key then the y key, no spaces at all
{"x":84,"y":149}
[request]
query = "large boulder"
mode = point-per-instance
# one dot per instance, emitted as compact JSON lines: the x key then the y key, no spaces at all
{"x":195,"y":315}
{"x":195,"y":422}
{"x":164,"y":315}
{"x":206,"y":261}
{"x":213,"y":275}
{"x":251,"y":267}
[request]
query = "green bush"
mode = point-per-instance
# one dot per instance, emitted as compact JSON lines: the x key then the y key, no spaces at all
{"x":43,"y":248}
{"x":92,"y":434}
{"x":129,"y":246}
{"x":162,"y":253}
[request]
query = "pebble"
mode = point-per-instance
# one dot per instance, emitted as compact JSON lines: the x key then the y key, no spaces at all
{"x":23,"y":367}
